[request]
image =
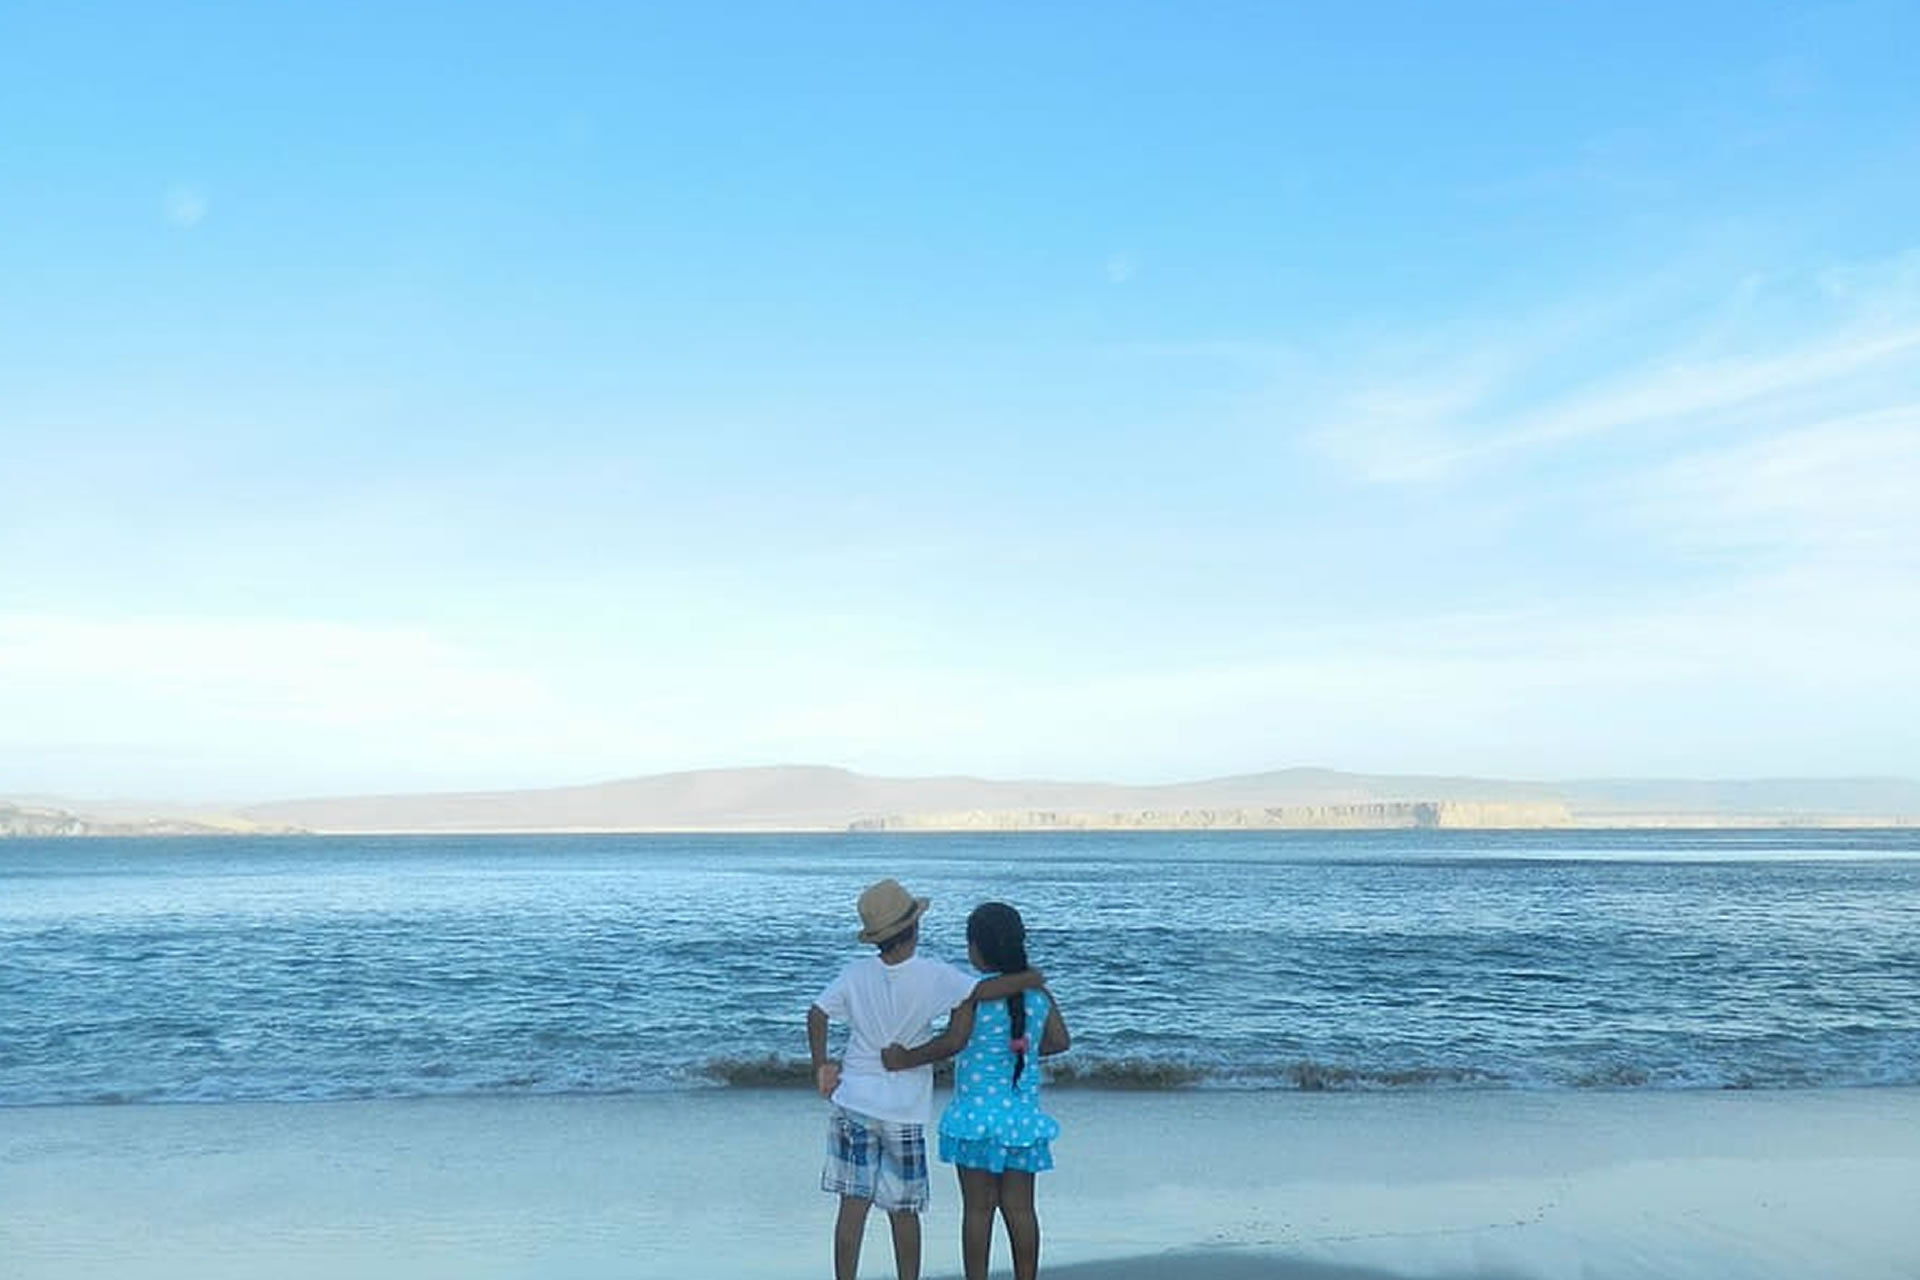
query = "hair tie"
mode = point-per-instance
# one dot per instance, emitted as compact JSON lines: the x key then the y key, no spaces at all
{"x":1018,"y":1044}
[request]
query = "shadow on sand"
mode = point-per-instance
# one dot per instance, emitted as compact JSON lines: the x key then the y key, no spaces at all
{"x":1229,"y":1264}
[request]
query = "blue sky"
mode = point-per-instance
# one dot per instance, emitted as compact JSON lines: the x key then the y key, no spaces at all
{"x":402,"y":396}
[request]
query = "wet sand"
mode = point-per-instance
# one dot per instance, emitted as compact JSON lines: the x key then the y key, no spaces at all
{"x":1214,"y":1264}
{"x":722,"y":1184}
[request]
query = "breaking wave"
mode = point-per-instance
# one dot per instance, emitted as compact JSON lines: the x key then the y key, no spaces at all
{"x":1139,"y":1074}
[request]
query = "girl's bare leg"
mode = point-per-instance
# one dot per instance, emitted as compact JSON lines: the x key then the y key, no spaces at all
{"x":979,"y":1198}
{"x":1023,"y":1224}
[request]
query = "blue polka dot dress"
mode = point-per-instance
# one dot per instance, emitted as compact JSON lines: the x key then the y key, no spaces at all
{"x":992,"y":1123}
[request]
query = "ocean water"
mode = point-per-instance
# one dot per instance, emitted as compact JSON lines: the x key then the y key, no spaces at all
{"x":182,"y":970}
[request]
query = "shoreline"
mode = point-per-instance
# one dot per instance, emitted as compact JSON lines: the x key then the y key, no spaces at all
{"x":723,"y":1184}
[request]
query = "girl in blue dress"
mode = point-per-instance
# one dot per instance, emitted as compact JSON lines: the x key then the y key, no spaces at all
{"x":994,"y":1132}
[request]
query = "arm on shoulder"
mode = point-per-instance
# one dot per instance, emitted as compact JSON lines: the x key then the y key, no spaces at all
{"x":1000,"y":986}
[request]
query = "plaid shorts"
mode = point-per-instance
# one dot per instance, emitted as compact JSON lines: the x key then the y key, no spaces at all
{"x":884,"y":1161}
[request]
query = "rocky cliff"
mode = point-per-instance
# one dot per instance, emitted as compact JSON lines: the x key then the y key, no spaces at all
{"x":23,"y":820}
{"x":16,"y":821}
{"x":1379,"y":816}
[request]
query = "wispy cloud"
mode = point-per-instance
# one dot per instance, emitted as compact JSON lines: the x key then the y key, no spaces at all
{"x":1681,"y":392}
{"x":1839,"y":490}
{"x":1729,"y":541}
{"x":1472,"y":410}
{"x":186,"y":206}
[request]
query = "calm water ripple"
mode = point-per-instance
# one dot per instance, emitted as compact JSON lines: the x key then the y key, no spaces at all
{"x":212,"y":970}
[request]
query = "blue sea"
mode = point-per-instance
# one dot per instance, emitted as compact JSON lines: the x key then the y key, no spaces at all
{"x":190,"y":970}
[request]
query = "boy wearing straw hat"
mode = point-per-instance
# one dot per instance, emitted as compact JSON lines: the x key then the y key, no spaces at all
{"x":876,"y":1135}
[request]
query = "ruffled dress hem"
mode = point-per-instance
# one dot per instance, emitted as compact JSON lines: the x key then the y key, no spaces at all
{"x":996,"y":1157}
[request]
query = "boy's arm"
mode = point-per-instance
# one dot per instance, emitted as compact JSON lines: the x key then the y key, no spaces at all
{"x":826,"y":1072}
{"x":1000,"y":986}
{"x":896,"y":1057}
{"x":1054,"y":1037}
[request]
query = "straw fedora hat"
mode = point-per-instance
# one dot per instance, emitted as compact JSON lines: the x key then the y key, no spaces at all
{"x":887,"y":908}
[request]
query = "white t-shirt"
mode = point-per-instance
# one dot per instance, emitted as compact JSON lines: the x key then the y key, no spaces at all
{"x":883,"y":1004}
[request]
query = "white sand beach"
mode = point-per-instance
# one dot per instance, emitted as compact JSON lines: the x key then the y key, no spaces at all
{"x":721,"y":1184}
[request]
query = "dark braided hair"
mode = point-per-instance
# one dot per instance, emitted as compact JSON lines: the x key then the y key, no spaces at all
{"x":996,"y":931}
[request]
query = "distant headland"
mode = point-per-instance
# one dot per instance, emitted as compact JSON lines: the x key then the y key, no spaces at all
{"x":804,"y":798}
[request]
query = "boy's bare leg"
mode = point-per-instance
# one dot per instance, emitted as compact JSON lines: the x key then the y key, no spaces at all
{"x":849,"y":1228}
{"x":1023,"y":1224}
{"x":906,"y":1243}
{"x":979,"y":1199}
